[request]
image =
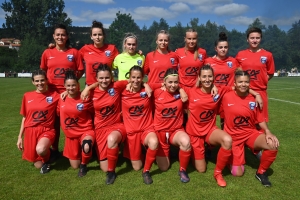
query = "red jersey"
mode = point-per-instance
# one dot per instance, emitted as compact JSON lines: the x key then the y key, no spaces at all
{"x":56,"y":63}
{"x":223,"y":70}
{"x":39,"y":109}
{"x":188,"y":67}
{"x":258,"y":64}
{"x":107,"y":104}
{"x":75,"y":116}
{"x":168,"y":111}
{"x":156,"y":65}
{"x":137,"y":110}
{"x":93,"y":56}
{"x":241,"y":114}
{"x":203,"y":110}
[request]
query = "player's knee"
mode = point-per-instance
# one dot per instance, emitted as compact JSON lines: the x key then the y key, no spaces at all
{"x":237,"y":170}
{"x":112,"y":141}
{"x":87,"y":146}
{"x":153,"y":143}
{"x":185,"y":144}
{"x":227,"y":142}
{"x":41,"y":150}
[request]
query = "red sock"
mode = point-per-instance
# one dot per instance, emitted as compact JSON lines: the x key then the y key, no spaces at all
{"x":46,"y":157}
{"x":184,"y":159}
{"x":150,"y":158}
{"x":222,"y":160}
{"x":112,"y":158}
{"x":266,"y":160}
{"x":85,"y":157}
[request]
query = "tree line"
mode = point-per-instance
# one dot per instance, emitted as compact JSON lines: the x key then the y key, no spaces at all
{"x":32,"y":22}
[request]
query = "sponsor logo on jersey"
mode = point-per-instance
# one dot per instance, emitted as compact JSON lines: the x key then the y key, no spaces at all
{"x":182,"y":57}
{"x":169,"y":112}
{"x":172,"y":60}
{"x":155,"y":61}
{"x":229,"y":64}
{"x":95,"y":66}
{"x":107,"y":53}
{"x":111,"y":92}
{"x":107,"y":111}
{"x":70,"y":57}
{"x":40,"y":116}
{"x":79,"y":106}
{"x":241,"y":121}
{"x":252,"y":105}
{"x":143,"y":94}
{"x":49,"y":99}
{"x":230,"y":104}
{"x":139,"y":62}
{"x":71,"y":122}
{"x":200,"y":57}
{"x":216,"y":97}
{"x":177,"y":96}
{"x":51,"y":57}
{"x":191,"y":71}
{"x":263,"y":59}
{"x":206,"y":116}
{"x":91,"y":53}
{"x":222,"y":79}
{"x":30,"y":101}
{"x":59,"y":73}
{"x":196,"y":100}
{"x":136,"y":110}
{"x":243,"y":59}
{"x":253,"y":73}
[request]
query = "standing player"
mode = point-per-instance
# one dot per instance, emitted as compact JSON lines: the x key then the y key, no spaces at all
{"x":168,"y":121}
{"x":76,"y":122}
{"x":259,"y":63}
{"x":137,"y":116}
{"x":158,"y":61}
{"x":55,"y":62}
{"x":96,"y":53}
{"x":129,"y":57}
{"x":241,"y":116}
{"x":38,"y":110}
{"x":191,"y":59}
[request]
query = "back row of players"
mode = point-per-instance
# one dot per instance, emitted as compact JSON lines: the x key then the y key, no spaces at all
{"x":136,"y":127}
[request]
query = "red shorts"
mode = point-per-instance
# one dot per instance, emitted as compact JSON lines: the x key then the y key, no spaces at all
{"x":165,"y":139}
{"x":134,"y":142}
{"x":238,"y":146}
{"x":197,"y":143}
{"x":32,"y":136}
{"x":73,"y":149}
{"x":264,"y":97}
{"x":101,"y":138}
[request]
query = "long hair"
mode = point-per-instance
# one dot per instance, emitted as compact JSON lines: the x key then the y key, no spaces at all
{"x":196,"y":53}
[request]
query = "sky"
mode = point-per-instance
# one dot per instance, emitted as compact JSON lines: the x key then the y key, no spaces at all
{"x":233,"y":14}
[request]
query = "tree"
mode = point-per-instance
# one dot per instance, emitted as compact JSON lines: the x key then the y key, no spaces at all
{"x":7,"y":59}
{"x":293,"y":44}
{"x":257,"y":23}
{"x":121,"y":25}
{"x":177,"y":36}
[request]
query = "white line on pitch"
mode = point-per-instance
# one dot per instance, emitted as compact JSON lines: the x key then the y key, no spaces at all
{"x":284,"y":88}
{"x":285,"y":101}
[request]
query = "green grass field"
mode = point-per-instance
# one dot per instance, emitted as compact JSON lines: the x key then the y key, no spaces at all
{"x":20,"y":180}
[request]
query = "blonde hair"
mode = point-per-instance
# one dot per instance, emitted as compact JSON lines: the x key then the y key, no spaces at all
{"x":162,"y":32}
{"x":127,"y":36}
{"x":196,"y":53}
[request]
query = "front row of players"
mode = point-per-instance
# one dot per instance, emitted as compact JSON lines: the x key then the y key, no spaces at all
{"x":99,"y":121}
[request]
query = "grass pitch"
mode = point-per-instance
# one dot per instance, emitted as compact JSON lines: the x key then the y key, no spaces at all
{"x":20,"y":180}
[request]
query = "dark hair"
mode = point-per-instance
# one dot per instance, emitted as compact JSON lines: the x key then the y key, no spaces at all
{"x":134,"y":68}
{"x":170,"y":71}
{"x":206,"y":67}
{"x":61,"y":26}
{"x":70,"y":74}
{"x":222,"y":38}
{"x":254,"y":30}
{"x":239,"y":72}
{"x":38,"y":72}
{"x":104,"y":67}
{"x":96,"y":24}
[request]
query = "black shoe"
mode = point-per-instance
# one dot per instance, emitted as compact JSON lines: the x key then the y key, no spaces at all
{"x":82,"y":170}
{"x":184,"y":177}
{"x":147,"y":178}
{"x":110,"y":177}
{"x":263,"y":178}
{"x":45,"y":168}
{"x":54,"y":155}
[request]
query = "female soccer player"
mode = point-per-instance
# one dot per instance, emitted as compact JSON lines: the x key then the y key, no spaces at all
{"x":124,"y":61}
{"x":223,"y":65}
{"x":55,"y":62}
{"x":241,"y":116}
{"x":158,"y":61}
{"x":259,"y":63}
{"x":109,"y":129}
{"x":38,"y":110}
{"x":96,"y":53}
{"x":76,"y":122}
{"x":137,"y":110}
{"x":191,"y":59}
{"x":168,"y":119}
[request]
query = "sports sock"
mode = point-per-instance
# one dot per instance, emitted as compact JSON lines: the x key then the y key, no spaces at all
{"x":150,"y":158}
{"x":112,"y":158}
{"x":184,"y":158}
{"x":222,"y":159}
{"x":267,"y":158}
